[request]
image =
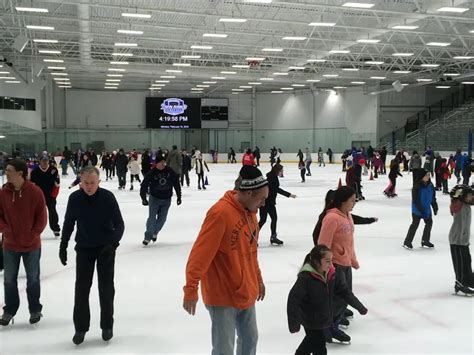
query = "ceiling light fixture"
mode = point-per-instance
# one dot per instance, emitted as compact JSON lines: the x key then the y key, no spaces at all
{"x":130,"y":32}
{"x":438,"y":44}
{"x":463,"y":57}
{"x":245,"y":86}
{"x":313,"y":80}
{"x":368,"y":40}
{"x":453,"y":9}
{"x":181,"y":64}
{"x":59,"y":74}
{"x":266,"y":79}
{"x":374,"y":62}
{"x":120,"y":44}
{"x":316,"y":60}
{"x":168,"y":76}
{"x":255,"y":59}
{"x":43,"y":28}
{"x":399,"y":54}
{"x":467,"y":82}
{"x":359,"y":5}
{"x":294,"y":38}
{"x":30,"y":9}
{"x":287,"y":89}
{"x":350,"y":69}
{"x":162,"y":81}
{"x":190,"y":57}
{"x":277,"y":92}
{"x":322,"y":24}
{"x":228,"y":72}
{"x":424,"y":80}
{"x":218,"y":77}
{"x":443,"y":87}
{"x":254,"y":83}
{"x":200,"y":47}
{"x":53,"y":60}
{"x":358,"y":82}
{"x":330,"y":75}
{"x":451,"y":74}
{"x":272,"y":49}
{"x":45,"y":41}
{"x":117,"y":69}
{"x":404,"y":27}
{"x":296,"y":68}
{"x":123,"y":54}
{"x":47,"y":51}
{"x":339,"y":51}
{"x":378,"y":77}
{"x":298,"y":85}
{"x":115,"y":75}
{"x":128,"y":14}
{"x":402,"y":72}
{"x":173,"y":71}
{"x":233,"y":19}
{"x":280,"y":74}
{"x":56,"y":68}
{"x":118,"y":63}
{"x":429,"y":65}
{"x":241,"y":66}
{"x":215,"y":35}
{"x":209,"y":82}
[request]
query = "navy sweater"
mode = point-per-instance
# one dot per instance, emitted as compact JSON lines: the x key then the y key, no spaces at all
{"x":98,"y":218}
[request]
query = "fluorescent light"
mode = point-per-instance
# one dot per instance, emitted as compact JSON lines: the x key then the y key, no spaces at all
{"x":429,"y":65}
{"x":158,"y":85}
{"x":463,"y":57}
{"x":47,"y":51}
{"x":378,"y":77}
{"x":358,"y":82}
{"x":340,"y":87}
{"x":316,"y":60}
{"x":402,"y":72}
{"x":241,"y":66}
{"x":118,"y":63}
{"x":313,"y":80}
{"x":245,"y":86}
{"x":398,"y":54}
{"x":130,"y":32}
{"x":112,"y":84}
{"x":360,"y":5}
{"x":272,"y":49}
{"x":339,"y":51}
{"x":266,"y":79}
{"x":60,"y":79}
{"x":44,"y":28}
{"x":4,"y":72}
{"x":115,"y":75}
{"x":237,"y":89}
{"x":197,"y":89}
{"x":59,"y":73}
{"x":121,"y":44}
{"x":209,"y":82}
{"x":451,"y":74}
{"x":277,"y":92}
{"x":233,"y":19}
{"x":190,"y":57}
{"x":296,"y":68}
{"x":405,"y":84}
{"x":350,"y":69}
{"x":173,"y":71}
{"x":438,"y":44}
{"x":471,"y":31}
{"x":254,"y":83}
{"x":330,"y":75}
{"x":259,"y":1}
{"x":110,"y":87}
{"x":65,"y":86}
{"x":374,"y":62}
{"x":7,"y":77}
{"x":162,"y":81}
{"x":256,"y":59}
{"x":117,"y":69}
{"x":127,"y":14}
{"x":202,"y":86}
{"x":30,"y":9}
{"x":53,"y":60}
{"x":467,"y":82}
{"x":181,"y":64}
{"x":281,"y":74}
{"x":215,"y":35}
{"x":368,"y":40}
{"x":298,"y":85}
{"x":404,"y":27}
{"x":218,"y":77}
{"x":13,"y":81}
{"x":201,"y":47}
{"x":453,"y":9}
{"x":123,"y":54}
{"x":294,"y":38}
{"x":45,"y":41}
{"x":424,"y":80}
{"x":154,"y":88}
{"x":322,"y":24}
{"x":228,"y":72}
{"x":113,"y":80}
{"x":443,"y":87}
{"x":287,"y":89}
{"x":56,"y":68}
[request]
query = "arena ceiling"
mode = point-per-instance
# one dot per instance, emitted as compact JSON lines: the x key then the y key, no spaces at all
{"x":225,"y":46}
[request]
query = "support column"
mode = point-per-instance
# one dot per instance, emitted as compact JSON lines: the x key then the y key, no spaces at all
{"x":254,"y":117}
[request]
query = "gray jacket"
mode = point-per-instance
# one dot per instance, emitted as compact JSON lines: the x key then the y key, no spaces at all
{"x":460,"y":230}
{"x":415,"y":162}
{"x":175,"y":161}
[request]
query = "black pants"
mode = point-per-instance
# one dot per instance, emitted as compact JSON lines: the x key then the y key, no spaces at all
{"x":444,"y":183}
{"x":201,"y":179}
{"x":258,"y":161}
{"x":344,"y":274}
{"x":393,"y":185}
{"x":136,"y":177}
{"x":185,"y":174}
{"x":1,"y":256}
{"x":384,"y":167}
{"x":314,"y":343}
{"x":269,"y":209}
{"x":438,"y":180}
{"x":52,"y":214}
{"x":414,"y":226}
{"x":122,"y":178}
{"x":303,"y":173}
{"x":462,"y":264}
{"x":86,"y":259}
{"x":108,"y":173}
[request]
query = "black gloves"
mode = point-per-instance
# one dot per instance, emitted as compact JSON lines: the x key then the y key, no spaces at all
{"x":144,"y":202}
{"x":63,"y":253}
{"x":178,"y":200}
{"x":363,"y":311}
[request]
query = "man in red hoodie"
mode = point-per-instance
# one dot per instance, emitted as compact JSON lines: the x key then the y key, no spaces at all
{"x":22,"y":219}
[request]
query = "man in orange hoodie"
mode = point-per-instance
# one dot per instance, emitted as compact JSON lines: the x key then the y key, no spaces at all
{"x":22,"y":220}
{"x":224,"y":260}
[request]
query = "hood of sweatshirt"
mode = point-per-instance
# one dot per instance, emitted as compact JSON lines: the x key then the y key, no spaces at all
{"x":325,"y":277}
{"x":17,"y":193}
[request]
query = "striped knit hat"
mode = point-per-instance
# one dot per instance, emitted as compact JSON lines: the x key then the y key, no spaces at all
{"x":250,"y":178}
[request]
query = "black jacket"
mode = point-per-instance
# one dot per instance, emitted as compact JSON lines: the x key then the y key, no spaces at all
{"x":45,"y":180}
{"x":186,"y":165}
{"x":121,"y":163}
{"x":310,"y":302}
{"x":160,"y":183}
{"x":146,"y":163}
{"x":274,"y":189}
{"x":98,"y":218}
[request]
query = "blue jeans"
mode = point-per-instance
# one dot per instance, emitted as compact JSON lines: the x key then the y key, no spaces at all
{"x":31,"y":262}
{"x":157,"y":213}
{"x":225,"y":322}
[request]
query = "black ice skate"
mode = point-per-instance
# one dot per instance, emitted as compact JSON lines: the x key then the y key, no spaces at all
{"x":145,"y":242}
{"x":78,"y":338}
{"x":348,"y":313}
{"x":275,"y":240}
{"x":57,"y":234}
{"x":408,"y":245}
{"x":154,"y":238}
{"x":35,"y":317}
{"x":427,"y":244}
{"x":6,"y":318}
{"x":344,"y":323}
{"x":340,"y":336}
{"x":131,"y":188}
{"x":107,"y":334}
{"x":458,"y":287}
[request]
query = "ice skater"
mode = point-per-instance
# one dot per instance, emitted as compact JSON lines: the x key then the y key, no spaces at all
{"x":310,"y":300}
{"x":392,"y":176}
{"x":200,"y":166}
{"x":134,"y":167}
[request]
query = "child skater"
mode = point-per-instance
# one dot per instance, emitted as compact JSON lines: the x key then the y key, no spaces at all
{"x":311,"y":298}
{"x":392,"y":176}
{"x":302,"y":167}
{"x":462,"y":197}
{"x":200,"y":165}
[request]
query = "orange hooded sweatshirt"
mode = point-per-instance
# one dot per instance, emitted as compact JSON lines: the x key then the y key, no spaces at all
{"x":337,"y":233}
{"x":224,"y":257}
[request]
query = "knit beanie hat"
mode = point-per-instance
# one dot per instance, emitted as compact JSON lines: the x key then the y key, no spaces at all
{"x":250,"y":178}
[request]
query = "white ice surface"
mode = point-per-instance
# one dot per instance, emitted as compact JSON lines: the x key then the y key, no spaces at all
{"x":408,"y":293}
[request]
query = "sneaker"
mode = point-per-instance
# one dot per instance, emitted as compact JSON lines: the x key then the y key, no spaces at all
{"x":145,"y":242}
{"x":6,"y":318}
{"x":427,"y":244}
{"x":35,"y":317}
{"x":107,"y":334}
{"x":78,"y":338}
{"x":408,"y":245}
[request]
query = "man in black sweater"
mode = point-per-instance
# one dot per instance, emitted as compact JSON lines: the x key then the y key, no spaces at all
{"x":46,"y":178}
{"x":99,"y":229}
{"x":185,"y":167}
{"x":121,"y":164}
{"x":159,"y":184}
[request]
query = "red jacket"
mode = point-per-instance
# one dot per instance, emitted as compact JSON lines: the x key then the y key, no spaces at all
{"x":248,"y":159}
{"x":22,"y":217}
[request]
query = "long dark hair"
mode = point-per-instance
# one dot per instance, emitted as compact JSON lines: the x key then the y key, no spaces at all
{"x":275,"y":170}
{"x":315,"y":256}
{"x":334,"y":199}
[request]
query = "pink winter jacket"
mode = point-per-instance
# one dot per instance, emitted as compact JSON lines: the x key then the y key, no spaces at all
{"x":337,"y":233}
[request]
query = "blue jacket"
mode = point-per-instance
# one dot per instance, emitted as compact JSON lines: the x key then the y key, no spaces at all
{"x":459,"y":161}
{"x":423,"y":198}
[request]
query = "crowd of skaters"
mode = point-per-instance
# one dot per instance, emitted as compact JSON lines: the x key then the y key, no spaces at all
{"x":323,"y":266}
